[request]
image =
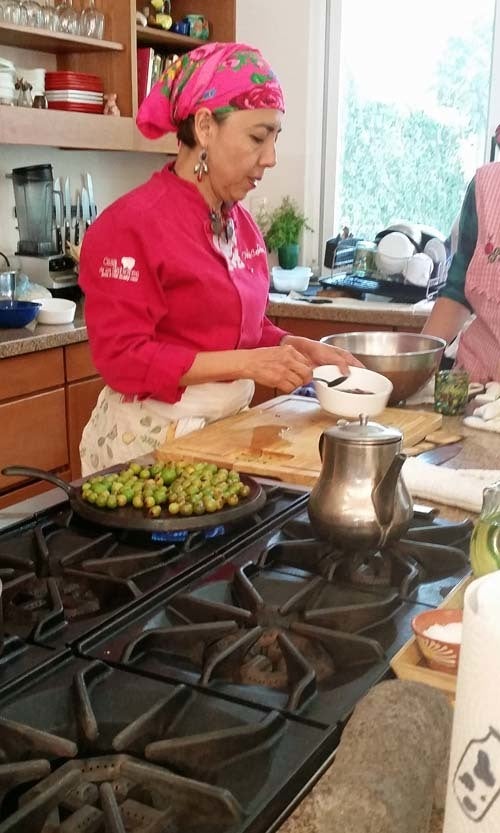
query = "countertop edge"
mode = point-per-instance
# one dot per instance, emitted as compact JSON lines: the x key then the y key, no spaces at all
{"x":362,"y":312}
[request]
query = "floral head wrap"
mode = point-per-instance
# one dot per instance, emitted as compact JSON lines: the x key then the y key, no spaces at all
{"x":220,"y":76}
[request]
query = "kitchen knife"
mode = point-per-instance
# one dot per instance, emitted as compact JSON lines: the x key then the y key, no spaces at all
{"x":90,"y":189}
{"x":439,"y":455}
{"x":77,"y":220}
{"x":58,"y":206}
{"x":85,"y":207}
{"x":67,"y":212}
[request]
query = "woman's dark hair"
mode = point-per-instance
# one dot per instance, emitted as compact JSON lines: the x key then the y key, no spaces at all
{"x":185,"y":130}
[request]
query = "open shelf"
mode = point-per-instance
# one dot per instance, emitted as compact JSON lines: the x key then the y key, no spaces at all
{"x":26,"y":37}
{"x":147,"y":36}
{"x":79,"y":131}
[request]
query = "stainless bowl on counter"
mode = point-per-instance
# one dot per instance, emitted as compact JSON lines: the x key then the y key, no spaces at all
{"x":407,"y":359}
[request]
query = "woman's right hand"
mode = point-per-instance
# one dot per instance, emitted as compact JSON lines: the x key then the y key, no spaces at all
{"x":281,"y":367}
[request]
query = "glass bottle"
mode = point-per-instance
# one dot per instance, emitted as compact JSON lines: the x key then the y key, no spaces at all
{"x":485,"y":541}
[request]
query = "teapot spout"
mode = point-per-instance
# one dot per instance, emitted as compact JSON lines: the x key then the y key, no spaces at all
{"x":384,"y":493}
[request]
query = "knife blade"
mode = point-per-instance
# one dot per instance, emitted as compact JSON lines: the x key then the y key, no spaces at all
{"x":439,"y":455}
{"x":67,"y":212}
{"x":85,"y":207}
{"x":90,"y":189}
{"x":76,"y":236}
{"x":58,"y":206}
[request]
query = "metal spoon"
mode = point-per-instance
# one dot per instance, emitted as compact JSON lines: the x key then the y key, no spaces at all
{"x":333,"y":383}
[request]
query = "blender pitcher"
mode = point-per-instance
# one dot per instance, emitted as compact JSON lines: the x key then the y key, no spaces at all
{"x":34,"y":196}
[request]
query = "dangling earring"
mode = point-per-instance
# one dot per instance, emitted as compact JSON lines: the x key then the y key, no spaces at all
{"x":201,"y":166}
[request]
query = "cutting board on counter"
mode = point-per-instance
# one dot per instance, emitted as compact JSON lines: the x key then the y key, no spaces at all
{"x":279,"y":439}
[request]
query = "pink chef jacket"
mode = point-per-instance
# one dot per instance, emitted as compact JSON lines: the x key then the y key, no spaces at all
{"x":160,"y":287}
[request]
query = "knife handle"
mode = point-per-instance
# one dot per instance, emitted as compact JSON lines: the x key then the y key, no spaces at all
{"x":59,"y":239}
{"x":67,"y":234}
{"x":77,"y":232}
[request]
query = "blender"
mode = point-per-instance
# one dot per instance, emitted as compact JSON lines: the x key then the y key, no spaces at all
{"x":38,"y":253}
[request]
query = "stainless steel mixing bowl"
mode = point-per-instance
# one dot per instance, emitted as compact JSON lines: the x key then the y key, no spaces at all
{"x":407,"y":359}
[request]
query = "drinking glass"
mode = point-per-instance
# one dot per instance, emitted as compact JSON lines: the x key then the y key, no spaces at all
{"x":34,"y":14}
{"x":92,"y":22}
{"x":69,"y":19}
{"x":50,"y":17}
{"x":15,"y":12}
{"x":451,"y":392}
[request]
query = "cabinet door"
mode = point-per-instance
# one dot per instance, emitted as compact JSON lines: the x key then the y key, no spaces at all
{"x":81,"y":398}
{"x":79,"y":364}
{"x":33,"y":433}
{"x":313,"y":328}
{"x":22,"y":375}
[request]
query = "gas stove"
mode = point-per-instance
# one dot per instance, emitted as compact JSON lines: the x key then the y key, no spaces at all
{"x":287,"y":621}
{"x":82,"y":756}
{"x":199,"y":684}
{"x":63,"y":576}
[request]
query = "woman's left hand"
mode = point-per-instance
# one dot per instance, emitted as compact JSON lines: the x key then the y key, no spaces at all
{"x":318,"y":353}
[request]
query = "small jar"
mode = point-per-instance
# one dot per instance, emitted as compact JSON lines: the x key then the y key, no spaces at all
{"x":451,"y":392}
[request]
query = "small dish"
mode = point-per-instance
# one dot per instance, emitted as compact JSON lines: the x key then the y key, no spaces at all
{"x":435,"y":250}
{"x":286,"y":280}
{"x":342,"y":401}
{"x":56,"y":311}
{"x":439,"y":654}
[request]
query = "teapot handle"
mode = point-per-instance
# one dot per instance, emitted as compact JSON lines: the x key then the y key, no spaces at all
{"x":321,"y":444}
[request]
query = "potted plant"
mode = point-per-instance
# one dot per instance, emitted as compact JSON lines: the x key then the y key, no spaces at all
{"x":282,"y":231}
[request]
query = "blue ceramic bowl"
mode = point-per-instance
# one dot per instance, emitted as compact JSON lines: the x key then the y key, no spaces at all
{"x":17,"y":313}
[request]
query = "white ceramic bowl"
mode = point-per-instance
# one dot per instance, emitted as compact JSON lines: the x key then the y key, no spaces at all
{"x":342,"y":403}
{"x":393,"y":252}
{"x":284,"y":280}
{"x":56,"y":311}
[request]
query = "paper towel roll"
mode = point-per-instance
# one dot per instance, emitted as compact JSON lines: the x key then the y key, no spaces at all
{"x":473,"y":793}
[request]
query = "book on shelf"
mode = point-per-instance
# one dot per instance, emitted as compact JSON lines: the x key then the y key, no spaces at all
{"x":145,"y":57}
{"x":150,"y":66}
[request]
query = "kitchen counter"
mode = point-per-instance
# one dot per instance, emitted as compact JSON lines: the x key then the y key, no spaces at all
{"x":341,"y":308}
{"x":481,"y":449}
{"x":33,"y":338}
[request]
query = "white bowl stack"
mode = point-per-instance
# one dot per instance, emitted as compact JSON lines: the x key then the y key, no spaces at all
{"x":7,"y":82}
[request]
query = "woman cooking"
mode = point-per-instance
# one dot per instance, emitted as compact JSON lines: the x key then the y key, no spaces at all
{"x":175,"y":272}
{"x":473,"y":282}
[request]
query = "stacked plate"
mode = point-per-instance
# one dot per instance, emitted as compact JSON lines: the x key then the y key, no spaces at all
{"x":74,"y":92}
{"x":7,"y":82}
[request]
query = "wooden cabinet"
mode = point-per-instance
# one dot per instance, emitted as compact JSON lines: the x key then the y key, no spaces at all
{"x":46,"y":399}
{"x":313,"y":328}
{"x":115,"y":61}
{"x":80,"y":400}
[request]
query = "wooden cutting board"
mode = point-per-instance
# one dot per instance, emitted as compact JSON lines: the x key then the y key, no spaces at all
{"x":279,"y":439}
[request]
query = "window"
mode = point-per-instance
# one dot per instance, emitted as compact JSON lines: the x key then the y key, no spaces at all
{"x":410,"y":86}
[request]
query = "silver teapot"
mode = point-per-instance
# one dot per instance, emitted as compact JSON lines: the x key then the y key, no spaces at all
{"x":360,"y":498}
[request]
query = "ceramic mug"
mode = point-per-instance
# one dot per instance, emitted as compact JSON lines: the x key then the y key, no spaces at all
{"x":198,"y":26}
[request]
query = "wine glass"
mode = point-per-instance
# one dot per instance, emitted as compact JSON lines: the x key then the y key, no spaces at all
{"x":69,"y":19}
{"x":92,"y":22}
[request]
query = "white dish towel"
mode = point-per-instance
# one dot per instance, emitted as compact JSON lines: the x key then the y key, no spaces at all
{"x":487,"y":416}
{"x":453,"y":487}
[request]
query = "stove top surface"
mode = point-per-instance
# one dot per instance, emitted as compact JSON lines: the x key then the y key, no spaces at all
{"x":161,"y":758}
{"x":63,"y":576}
{"x":289,"y":623}
{"x":197,"y":684}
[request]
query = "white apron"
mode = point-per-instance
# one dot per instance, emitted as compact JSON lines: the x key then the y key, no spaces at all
{"x":119,"y":431}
